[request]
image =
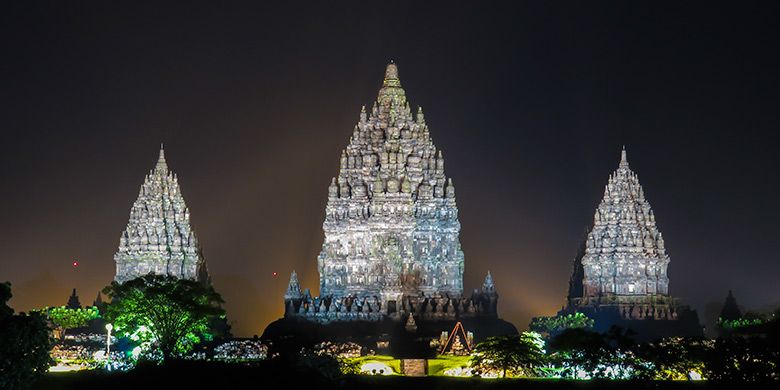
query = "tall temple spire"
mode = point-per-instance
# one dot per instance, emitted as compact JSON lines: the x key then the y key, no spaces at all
{"x":730,"y":310}
{"x":158,"y":238}
{"x":393,"y":198}
{"x":625,"y":252}
{"x":73,"y":301}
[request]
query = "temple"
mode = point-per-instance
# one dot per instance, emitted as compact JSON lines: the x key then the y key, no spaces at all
{"x":392,"y":236}
{"x":730,"y":310}
{"x":73,"y":301}
{"x":158,"y":238}
{"x":620,"y":274}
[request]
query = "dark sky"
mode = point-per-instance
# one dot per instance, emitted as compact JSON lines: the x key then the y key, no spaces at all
{"x":530,"y":105}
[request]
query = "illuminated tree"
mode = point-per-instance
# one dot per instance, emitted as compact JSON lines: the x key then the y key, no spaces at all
{"x":514,"y":355}
{"x":24,"y":345}
{"x":579,"y":352}
{"x":169,"y":313}
{"x":65,"y":318}
{"x":552,"y":326}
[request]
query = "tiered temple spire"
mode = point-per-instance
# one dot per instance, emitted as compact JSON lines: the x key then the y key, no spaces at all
{"x":158,"y":238}
{"x":73,"y":301}
{"x":391,"y":222}
{"x":625,"y":253}
{"x":730,"y":310}
{"x":293,"y":288}
{"x":391,"y":211}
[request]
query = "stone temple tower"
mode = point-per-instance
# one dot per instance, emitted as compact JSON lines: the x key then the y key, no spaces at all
{"x":392,"y":244}
{"x":625,"y":253}
{"x":391,"y":264}
{"x":391,"y":224}
{"x":158,"y":238}
{"x":620,"y":273}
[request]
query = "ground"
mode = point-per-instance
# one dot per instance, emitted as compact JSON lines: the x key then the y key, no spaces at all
{"x":199,"y":375}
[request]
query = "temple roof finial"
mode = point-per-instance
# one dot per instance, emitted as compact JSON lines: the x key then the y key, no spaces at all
{"x":161,"y":164}
{"x":391,"y":74}
{"x":488,"y":286}
{"x":623,"y":157}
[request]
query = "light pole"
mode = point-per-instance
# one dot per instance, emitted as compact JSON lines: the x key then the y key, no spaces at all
{"x":108,"y":345}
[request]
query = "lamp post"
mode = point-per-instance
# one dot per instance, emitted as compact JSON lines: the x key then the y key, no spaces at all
{"x":108,"y":345}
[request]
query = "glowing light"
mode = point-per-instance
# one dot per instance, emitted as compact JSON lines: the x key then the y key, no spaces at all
{"x":376,"y":368}
{"x":75,"y":264}
{"x":275,"y":274}
{"x":67,"y":368}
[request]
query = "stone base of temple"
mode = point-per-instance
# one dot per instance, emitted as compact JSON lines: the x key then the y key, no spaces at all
{"x":387,"y":336}
{"x":650,"y":318}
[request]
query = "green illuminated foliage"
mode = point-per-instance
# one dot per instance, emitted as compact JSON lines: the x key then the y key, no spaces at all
{"x":24,"y":345}
{"x":510,"y":355}
{"x":582,"y":354}
{"x":557,"y":324}
{"x":169,"y":314}
{"x":65,"y":318}
{"x":739,"y":323}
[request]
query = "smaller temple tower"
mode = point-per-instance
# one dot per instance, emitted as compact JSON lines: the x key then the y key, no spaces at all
{"x":620,"y":276}
{"x":730,"y":311}
{"x":73,"y":301}
{"x":487,"y":298}
{"x":159,"y":238}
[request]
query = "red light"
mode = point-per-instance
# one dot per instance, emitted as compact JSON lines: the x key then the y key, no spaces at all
{"x":75,"y":263}
{"x":274,"y":274}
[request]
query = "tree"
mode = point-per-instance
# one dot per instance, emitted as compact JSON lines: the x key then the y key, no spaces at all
{"x":65,"y":318}
{"x":329,"y":365}
{"x":579,"y":352}
{"x":169,"y":313}
{"x":585,"y":354}
{"x":675,"y":358}
{"x":516,"y":355}
{"x":24,"y":345}
{"x":742,"y":359}
{"x":552,"y":326}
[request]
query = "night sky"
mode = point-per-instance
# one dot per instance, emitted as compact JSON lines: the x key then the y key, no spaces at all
{"x":530,"y":105}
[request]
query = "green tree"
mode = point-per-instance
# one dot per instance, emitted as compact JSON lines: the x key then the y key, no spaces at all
{"x":171,"y":314}
{"x":552,"y":326}
{"x":64,"y":318}
{"x":514,"y":355}
{"x":24,"y":345}
{"x":580,"y":352}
